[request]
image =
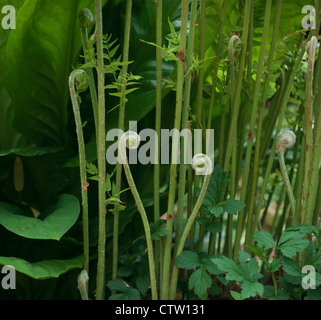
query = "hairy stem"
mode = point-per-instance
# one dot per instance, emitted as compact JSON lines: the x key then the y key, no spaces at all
{"x":158,"y":120}
{"x":82,"y":162}
{"x":100,"y":294}
{"x":121,"y":120}
{"x":250,"y":142}
{"x":140,"y":206}
{"x":175,"y":142}
{"x":185,"y":114}
{"x":186,"y":232}
{"x":308,"y":131}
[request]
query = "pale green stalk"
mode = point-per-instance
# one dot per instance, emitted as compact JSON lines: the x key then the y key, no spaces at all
{"x":82,"y":161}
{"x":200,"y":83}
{"x":286,"y":139}
{"x":308,"y":131}
{"x":285,"y":96}
{"x":175,"y":142}
{"x":261,"y":114}
{"x":121,"y":125}
{"x":100,"y":293}
{"x":238,"y":88}
{"x":234,"y":42}
{"x":259,"y":74}
{"x":86,"y":20}
{"x":216,"y":63}
{"x":185,"y":115}
{"x":140,"y":208}
{"x":158,"y":118}
{"x":186,"y":232}
{"x":316,"y":157}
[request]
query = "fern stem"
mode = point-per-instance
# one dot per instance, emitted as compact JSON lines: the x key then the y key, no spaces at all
{"x":177,"y":123}
{"x":82,"y":162}
{"x":186,"y":232}
{"x":100,"y":293}
{"x":308,"y":132}
{"x":158,"y":121}
{"x":141,"y":210}
{"x":121,"y":125}
{"x":185,"y":114}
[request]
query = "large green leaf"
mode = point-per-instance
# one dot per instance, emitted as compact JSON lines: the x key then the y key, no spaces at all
{"x":9,"y":137}
{"x":60,"y":219}
{"x":43,"y":269}
{"x":41,"y":52}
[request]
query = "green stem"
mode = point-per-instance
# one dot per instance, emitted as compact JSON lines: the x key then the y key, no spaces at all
{"x":280,"y":152}
{"x":186,"y":232}
{"x":175,"y":142}
{"x":121,"y":125}
{"x":82,"y":162}
{"x":84,"y":25}
{"x":261,"y":114}
{"x":200,"y":83}
{"x":285,"y":96}
{"x":236,"y":105}
{"x":158,"y":120}
{"x":299,"y":183}
{"x":83,"y":284}
{"x":217,"y":60}
{"x":238,"y":88}
{"x":234,"y":41}
{"x":317,"y":204}
{"x":252,"y":188}
{"x":274,"y":284}
{"x":185,"y":114}
{"x":141,"y":210}
{"x":100,"y":293}
{"x":316,"y":156}
{"x":308,"y":132}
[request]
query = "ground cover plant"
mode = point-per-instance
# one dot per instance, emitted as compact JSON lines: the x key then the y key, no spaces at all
{"x":97,"y":202}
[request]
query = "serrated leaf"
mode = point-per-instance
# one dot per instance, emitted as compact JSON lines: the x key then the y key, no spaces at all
{"x":248,"y":265}
{"x":291,"y":247}
{"x":257,"y":251}
{"x":143,"y":282}
{"x":314,"y":257}
{"x":251,"y":289}
{"x":91,"y":168}
{"x":303,"y":229}
{"x":233,"y":206}
{"x":216,"y":187}
{"x":217,"y":211}
{"x":291,"y":267}
{"x":117,"y":285}
{"x":274,"y":265}
{"x":187,"y":260}
{"x":158,"y":230}
{"x":228,"y":266}
{"x":200,"y":281}
{"x":264,"y":239}
{"x":209,"y":265}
